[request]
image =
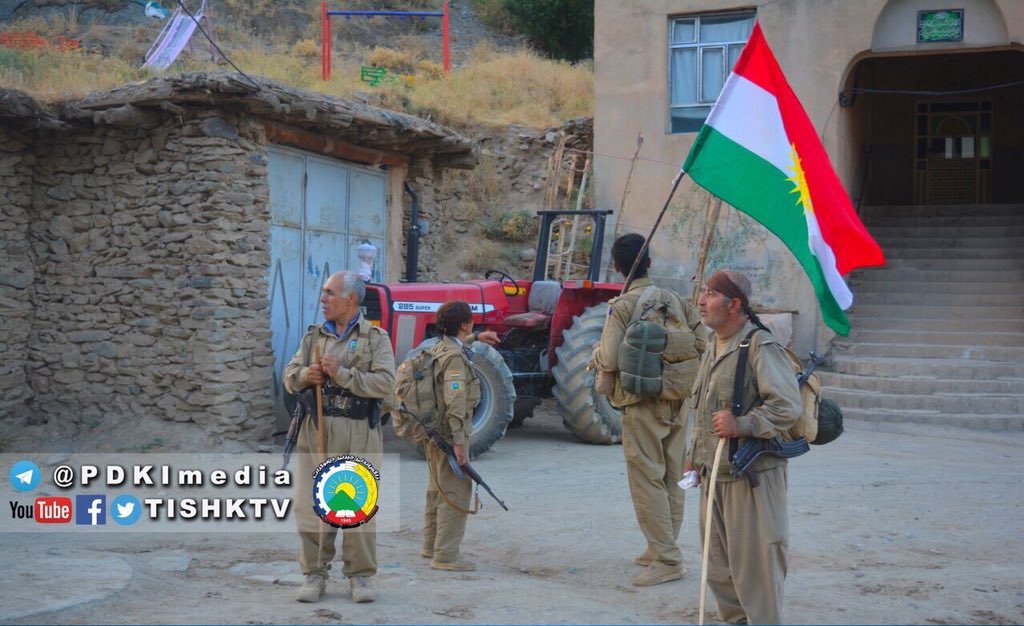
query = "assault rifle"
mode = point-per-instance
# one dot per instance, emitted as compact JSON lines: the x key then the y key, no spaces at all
{"x":754,"y":447}
{"x":449,"y":451}
{"x":776,"y":446}
{"x":302,"y":410}
{"x":816,"y":360}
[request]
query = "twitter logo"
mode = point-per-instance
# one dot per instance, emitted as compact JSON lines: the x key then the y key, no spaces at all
{"x":125,"y":509}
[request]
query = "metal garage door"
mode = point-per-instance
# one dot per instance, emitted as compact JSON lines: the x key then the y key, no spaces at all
{"x":320,"y":209}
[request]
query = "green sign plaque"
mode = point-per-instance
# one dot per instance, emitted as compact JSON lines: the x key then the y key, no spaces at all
{"x":945,"y":25}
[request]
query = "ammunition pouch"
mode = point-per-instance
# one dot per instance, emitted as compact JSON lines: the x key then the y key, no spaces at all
{"x":753,"y":448}
{"x":338,"y":402}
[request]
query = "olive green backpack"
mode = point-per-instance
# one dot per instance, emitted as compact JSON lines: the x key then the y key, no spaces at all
{"x":658,"y":355}
{"x":415,"y":398}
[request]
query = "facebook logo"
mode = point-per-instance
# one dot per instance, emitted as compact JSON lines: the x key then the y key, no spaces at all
{"x":91,"y":510}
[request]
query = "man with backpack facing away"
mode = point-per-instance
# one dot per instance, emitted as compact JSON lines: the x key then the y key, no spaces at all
{"x":749,"y":535}
{"x":653,"y":424}
{"x":351,"y":361}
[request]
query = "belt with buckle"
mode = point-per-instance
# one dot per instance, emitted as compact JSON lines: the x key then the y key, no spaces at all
{"x":344,"y":404}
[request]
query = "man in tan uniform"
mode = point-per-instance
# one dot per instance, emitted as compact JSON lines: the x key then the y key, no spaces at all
{"x":653,"y":430}
{"x":355,"y":364}
{"x":458,"y":392}
{"x":749,"y":525}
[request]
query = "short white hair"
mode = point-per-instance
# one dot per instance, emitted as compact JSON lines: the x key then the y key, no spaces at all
{"x":351,"y":283}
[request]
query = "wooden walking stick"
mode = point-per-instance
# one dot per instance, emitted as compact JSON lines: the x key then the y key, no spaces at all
{"x":708,"y":512}
{"x":320,"y":426}
{"x":321,"y":432}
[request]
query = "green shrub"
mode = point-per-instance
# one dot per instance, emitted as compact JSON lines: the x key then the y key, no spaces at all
{"x":483,"y":255}
{"x":19,"y":62}
{"x":516,"y":226}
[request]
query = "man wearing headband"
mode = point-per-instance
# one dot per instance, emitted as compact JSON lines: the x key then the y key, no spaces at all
{"x":653,"y":429}
{"x":749,"y":524}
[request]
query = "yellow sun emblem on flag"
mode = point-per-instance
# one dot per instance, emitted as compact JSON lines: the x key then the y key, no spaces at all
{"x":799,"y":180}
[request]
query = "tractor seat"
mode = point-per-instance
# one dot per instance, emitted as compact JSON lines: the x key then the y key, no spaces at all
{"x":541,"y":303}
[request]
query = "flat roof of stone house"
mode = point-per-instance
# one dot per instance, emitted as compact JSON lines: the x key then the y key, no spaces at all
{"x":21,"y":111}
{"x":332,"y":118}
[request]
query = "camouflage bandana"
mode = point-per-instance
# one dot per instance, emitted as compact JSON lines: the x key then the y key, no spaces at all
{"x":723,"y":283}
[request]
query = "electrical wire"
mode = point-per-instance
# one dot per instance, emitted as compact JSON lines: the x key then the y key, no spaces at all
{"x":913,"y":92}
{"x":214,"y":44}
{"x":623,"y":158}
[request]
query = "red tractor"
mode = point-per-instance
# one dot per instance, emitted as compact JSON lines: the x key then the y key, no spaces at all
{"x":547,"y":330}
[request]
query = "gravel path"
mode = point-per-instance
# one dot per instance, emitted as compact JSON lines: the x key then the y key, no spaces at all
{"x":889,"y":524}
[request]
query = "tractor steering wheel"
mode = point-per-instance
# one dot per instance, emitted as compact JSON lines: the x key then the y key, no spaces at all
{"x":504,"y":276}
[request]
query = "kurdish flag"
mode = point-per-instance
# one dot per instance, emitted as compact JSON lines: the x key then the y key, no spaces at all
{"x":759,"y":152}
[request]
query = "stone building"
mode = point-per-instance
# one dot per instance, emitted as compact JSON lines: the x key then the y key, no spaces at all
{"x":920,"y":107}
{"x":162,"y":244}
{"x":893,"y":109}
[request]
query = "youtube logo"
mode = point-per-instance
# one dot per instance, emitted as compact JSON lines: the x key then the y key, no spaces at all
{"x":52,"y":510}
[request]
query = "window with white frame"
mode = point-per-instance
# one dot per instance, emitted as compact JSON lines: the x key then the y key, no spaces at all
{"x":702,"y":51}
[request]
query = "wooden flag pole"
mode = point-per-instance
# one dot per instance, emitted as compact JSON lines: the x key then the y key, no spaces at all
{"x":647,"y":243}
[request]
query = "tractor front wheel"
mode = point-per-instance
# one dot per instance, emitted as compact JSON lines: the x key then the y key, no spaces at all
{"x":586,"y":413}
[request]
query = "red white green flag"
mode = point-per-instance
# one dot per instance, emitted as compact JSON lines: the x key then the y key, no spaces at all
{"x":759,"y":152}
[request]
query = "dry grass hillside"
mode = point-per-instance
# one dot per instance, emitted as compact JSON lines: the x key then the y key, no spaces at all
{"x":498,"y":91}
{"x":494,"y":80}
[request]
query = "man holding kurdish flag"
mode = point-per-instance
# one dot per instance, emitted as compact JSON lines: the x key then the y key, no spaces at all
{"x":759,"y":152}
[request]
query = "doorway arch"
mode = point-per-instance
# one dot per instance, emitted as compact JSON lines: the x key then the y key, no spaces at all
{"x":936,"y":126}
{"x":936,"y":122}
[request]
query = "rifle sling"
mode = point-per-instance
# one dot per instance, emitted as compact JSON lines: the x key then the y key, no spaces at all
{"x":743,"y":458}
{"x":437,"y":485}
{"x":737,"y":399}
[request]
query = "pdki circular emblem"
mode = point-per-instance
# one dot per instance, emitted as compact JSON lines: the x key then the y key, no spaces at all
{"x":345,"y":491}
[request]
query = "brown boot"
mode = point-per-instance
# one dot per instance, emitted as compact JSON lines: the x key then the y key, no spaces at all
{"x":657,"y":573}
{"x":453,"y":566}
{"x":644,"y":559}
{"x":361,"y":589}
{"x":312,"y":589}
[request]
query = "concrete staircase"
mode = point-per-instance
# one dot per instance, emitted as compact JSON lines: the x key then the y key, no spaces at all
{"x":938,"y":332}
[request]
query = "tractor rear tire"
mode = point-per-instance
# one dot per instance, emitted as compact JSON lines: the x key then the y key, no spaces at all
{"x":497,"y":396}
{"x":586,"y":413}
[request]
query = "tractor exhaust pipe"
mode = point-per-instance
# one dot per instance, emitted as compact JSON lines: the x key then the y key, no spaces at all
{"x":412,"y":254}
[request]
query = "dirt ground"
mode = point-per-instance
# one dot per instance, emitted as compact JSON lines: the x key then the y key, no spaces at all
{"x":890,"y":524}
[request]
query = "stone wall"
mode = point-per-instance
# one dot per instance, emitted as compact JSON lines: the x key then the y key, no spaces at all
{"x":150,"y":292}
{"x":133,"y":258}
{"x":17,"y":270}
